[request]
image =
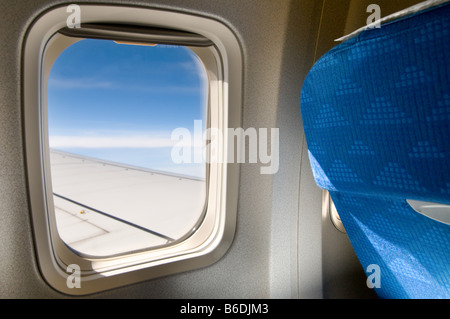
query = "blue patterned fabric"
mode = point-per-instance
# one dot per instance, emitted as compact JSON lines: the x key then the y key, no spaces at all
{"x":376,"y":114}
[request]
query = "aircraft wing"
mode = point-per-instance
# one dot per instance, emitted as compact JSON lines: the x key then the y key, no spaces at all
{"x":98,"y":202}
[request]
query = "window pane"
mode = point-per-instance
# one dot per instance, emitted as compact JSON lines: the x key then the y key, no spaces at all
{"x":111,"y":111}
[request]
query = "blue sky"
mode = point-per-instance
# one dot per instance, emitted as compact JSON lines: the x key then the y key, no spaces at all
{"x":121,"y":102}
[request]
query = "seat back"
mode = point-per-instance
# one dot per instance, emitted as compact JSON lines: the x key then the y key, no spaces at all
{"x":376,"y":114}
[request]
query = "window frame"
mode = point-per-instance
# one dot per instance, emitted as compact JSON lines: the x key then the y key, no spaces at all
{"x":223,"y":63}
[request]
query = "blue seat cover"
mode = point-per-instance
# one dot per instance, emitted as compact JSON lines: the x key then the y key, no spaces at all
{"x":376,"y":114}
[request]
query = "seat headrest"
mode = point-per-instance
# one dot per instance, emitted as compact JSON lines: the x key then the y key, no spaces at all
{"x":376,"y":110}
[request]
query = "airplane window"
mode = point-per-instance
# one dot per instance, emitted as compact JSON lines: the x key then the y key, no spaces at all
{"x":112,"y":108}
{"x":125,"y":181}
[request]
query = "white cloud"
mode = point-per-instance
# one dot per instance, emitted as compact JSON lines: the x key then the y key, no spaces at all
{"x":82,"y":83}
{"x":109,"y":142}
{"x":127,"y":140}
{"x":94,"y":84}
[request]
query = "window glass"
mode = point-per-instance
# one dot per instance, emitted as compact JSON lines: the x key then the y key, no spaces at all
{"x":111,"y":111}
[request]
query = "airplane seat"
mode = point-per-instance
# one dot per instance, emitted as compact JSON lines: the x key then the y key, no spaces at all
{"x":376,"y":114}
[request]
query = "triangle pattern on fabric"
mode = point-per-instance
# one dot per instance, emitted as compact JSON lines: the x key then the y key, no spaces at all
{"x":383,"y":112}
{"x":342,"y":173}
{"x":359,"y":148}
{"x":348,"y":87}
{"x":412,"y":76}
{"x":432,"y":31}
{"x":329,"y":117}
{"x":316,"y":149}
{"x":425,"y":150}
{"x":395,"y":176}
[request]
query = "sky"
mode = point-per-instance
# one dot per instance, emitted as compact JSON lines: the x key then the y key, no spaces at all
{"x":121,"y":102}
